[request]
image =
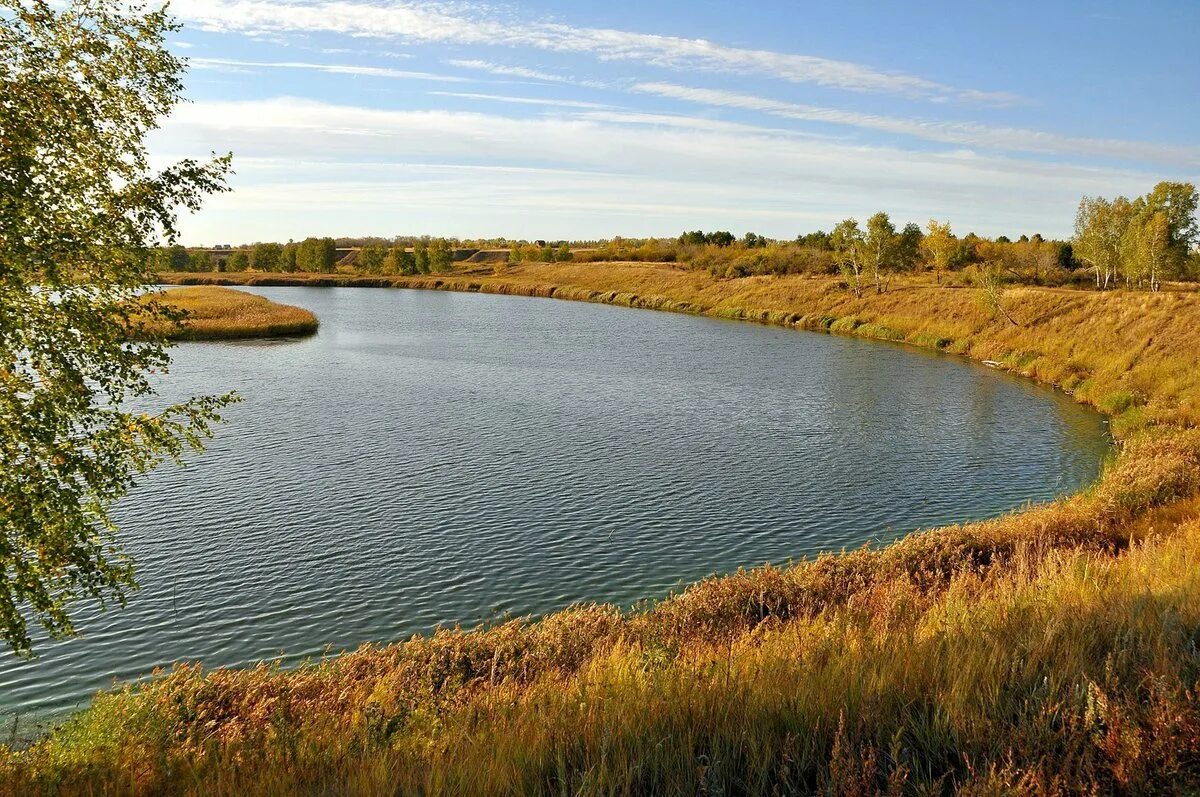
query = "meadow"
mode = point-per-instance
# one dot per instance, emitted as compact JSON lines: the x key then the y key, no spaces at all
{"x":215,"y":313}
{"x":1050,"y":651}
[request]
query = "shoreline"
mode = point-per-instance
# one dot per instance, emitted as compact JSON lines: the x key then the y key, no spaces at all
{"x":808,"y":318}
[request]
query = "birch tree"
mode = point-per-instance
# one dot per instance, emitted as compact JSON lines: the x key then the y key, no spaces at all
{"x":81,"y":84}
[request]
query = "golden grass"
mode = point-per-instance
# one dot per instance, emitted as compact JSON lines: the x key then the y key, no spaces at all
{"x":1050,"y":651}
{"x":215,"y":313}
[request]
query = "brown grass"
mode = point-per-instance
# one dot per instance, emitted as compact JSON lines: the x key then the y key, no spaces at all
{"x":1050,"y":651}
{"x":215,"y":313}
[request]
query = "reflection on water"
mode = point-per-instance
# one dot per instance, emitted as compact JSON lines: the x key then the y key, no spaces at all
{"x":433,"y":458}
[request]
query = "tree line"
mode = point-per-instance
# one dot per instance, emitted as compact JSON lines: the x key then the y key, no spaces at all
{"x":1139,"y":243}
{"x":313,"y":255}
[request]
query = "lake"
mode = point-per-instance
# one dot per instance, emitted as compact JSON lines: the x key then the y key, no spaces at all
{"x":431,"y":458}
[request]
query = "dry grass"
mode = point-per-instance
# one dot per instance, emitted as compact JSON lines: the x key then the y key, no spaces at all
{"x":215,"y":313}
{"x":1051,"y":651}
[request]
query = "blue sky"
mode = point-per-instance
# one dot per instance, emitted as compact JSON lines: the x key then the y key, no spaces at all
{"x":584,"y":120}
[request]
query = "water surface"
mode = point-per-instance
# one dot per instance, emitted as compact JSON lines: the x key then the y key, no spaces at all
{"x":431,"y":458}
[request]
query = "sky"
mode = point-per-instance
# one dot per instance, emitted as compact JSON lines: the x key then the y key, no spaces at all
{"x":581,"y":120}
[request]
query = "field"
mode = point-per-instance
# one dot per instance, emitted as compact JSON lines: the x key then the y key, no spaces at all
{"x":1051,"y":651}
{"x":215,"y":313}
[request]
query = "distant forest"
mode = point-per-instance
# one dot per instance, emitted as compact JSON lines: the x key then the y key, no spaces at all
{"x":1134,"y":243}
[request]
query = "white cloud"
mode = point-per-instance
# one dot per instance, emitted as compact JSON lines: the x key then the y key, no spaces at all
{"x":336,"y":69}
{"x":588,"y":175}
{"x":963,"y":133}
{"x":521,"y":72}
{"x":425,"y":23}
{"x":694,"y":123}
{"x":521,"y":100}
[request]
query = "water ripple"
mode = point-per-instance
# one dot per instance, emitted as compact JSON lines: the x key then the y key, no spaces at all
{"x":430,"y":459}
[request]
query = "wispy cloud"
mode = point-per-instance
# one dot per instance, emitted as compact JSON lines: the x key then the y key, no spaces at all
{"x":969,"y":134}
{"x":522,"y":72}
{"x":694,"y":123}
{"x":424,"y":23}
{"x":520,"y":100}
{"x":336,"y":69}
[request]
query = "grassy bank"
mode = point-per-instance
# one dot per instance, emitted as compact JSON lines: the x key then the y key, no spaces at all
{"x":1049,"y":651}
{"x":215,"y":313}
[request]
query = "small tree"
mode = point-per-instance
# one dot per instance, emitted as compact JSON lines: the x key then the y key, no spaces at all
{"x":400,"y":261}
{"x":879,"y":248}
{"x":287,"y":258}
{"x":907,"y":248}
{"x":266,"y":257}
{"x":316,"y":255}
{"x":371,"y":258}
{"x":238,"y":261}
{"x":939,"y":246}
{"x":1149,"y":249}
{"x":201,"y":260}
{"x":172,"y":258}
{"x":421,"y":256}
{"x":563,"y":254}
{"x":1100,"y":229}
{"x":847,"y":241}
{"x":441,"y":256}
{"x":989,"y":279}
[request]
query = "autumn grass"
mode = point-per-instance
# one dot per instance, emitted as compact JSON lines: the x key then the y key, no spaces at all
{"x":215,"y":313}
{"x":1049,"y":651}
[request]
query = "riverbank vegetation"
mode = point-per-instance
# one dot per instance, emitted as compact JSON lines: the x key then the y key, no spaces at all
{"x":214,"y":313}
{"x":1049,"y":651}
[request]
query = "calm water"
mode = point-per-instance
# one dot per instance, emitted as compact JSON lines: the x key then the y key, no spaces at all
{"x":432,"y":458}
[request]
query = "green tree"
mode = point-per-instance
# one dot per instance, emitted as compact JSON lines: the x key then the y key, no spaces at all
{"x":399,"y":261}
{"x":316,"y":255}
{"x":201,"y":260}
{"x":266,"y":257}
{"x":238,"y":260}
{"x":908,"y":247}
{"x":1177,"y":202}
{"x":371,"y":258}
{"x":287,"y":260}
{"x":80,"y":87}
{"x":848,"y":242}
{"x":1100,"y":229}
{"x":939,"y":246}
{"x":815,"y":240}
{"x":563,"y":253}
{"x":421,"y":256}
{"x":441,"y":256}
{"x":172,"y":258}
{"x":1149,"y":249}
{"x":879,"y":248}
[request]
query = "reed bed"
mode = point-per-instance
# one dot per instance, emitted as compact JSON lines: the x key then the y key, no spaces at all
{"x":1049,"y":651}
{"x":216,"y":313}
